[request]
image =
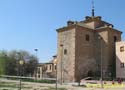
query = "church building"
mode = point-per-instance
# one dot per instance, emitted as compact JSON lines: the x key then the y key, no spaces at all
{"x":86,"y":48}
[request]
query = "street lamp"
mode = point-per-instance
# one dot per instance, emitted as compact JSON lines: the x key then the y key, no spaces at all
{"x":55,"y":64}
{"x":36,"y":50}
{"x":21,"y":62}
{"x":101,"y":68}
{"x":61,"y":45}
{"x":36,"y":76}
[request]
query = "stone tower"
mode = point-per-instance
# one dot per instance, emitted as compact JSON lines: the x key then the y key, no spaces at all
{"x":83,"y":45}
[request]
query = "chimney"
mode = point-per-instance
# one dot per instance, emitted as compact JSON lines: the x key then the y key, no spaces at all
{"x":69,"y":23}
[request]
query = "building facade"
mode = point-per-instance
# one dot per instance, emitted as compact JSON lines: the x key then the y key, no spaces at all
{"x":46,"y":70}
{"x":39,"y":72}
{"x":120,"y":59}
{"x":83,"y":46}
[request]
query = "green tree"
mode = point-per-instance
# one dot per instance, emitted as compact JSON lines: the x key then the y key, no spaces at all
{"x":30,"y":66}
{"x":2,"y":62}
{"x":11,"y":65}
{"x":9,"y":62}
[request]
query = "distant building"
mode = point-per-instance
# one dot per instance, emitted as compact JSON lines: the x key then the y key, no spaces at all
{"x":38,"y":72}
{"x":46,"y":70}
{"x":83,"y":45}
{"x":120,"y":59}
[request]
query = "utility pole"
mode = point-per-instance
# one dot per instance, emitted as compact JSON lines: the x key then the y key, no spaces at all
{"x":61,"y":63}
{"x":101,"y":63}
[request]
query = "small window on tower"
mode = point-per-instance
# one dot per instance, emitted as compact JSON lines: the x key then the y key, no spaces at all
{"x":121,"y":48}
{"x":65,"y":51}
{"x":87,"y":37}
{"x":115,"y":38}
{"x":122,"y":65}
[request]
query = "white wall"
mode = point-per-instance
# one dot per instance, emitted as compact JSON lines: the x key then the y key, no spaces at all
{"x":120,"y":58}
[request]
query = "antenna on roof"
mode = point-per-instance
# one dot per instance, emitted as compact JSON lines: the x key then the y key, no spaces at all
{"x":93,"y":11}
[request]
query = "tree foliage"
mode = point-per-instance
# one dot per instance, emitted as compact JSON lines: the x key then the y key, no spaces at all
{"x":2,"y":62}
{"x":9,"y":62}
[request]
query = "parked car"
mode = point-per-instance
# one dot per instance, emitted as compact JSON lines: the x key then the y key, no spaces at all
{"x":89,"y":80}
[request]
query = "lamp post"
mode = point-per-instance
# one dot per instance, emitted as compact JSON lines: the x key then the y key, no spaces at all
{"x":36,"y":50}
{"x":6,"y":73}
{"x":61,"y":45}
{"x":21,"y":62}
{"x":55,"y":64}
{"x":101,"y":65}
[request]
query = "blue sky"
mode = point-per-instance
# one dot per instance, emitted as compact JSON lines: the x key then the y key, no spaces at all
{"x":30,"y":24}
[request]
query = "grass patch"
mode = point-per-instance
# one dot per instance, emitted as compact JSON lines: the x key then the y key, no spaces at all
{"x":10,"y":85}
{"x":13,"y":86}
{"x":33,"y":80}
{"x":39,"y":81}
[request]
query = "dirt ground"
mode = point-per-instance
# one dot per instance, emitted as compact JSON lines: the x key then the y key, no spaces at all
{"x":14,"y":85}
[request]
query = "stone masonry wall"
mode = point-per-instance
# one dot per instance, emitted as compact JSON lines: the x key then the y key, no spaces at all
{"x":66,"y":55}
{"x":85,"y":57}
